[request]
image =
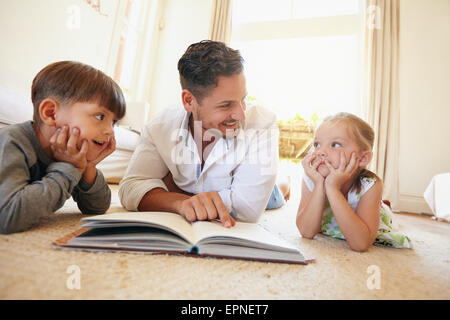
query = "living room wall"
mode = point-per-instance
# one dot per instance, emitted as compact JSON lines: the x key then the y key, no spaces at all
{"x":424,"y":76}
{"x":184,"y":22}
{"x":36,"y":33}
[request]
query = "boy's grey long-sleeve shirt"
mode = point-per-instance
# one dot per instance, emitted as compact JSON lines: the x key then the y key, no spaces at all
{"x":33,"y":185}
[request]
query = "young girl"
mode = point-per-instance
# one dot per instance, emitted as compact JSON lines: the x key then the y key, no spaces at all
{"x":340,"y":198}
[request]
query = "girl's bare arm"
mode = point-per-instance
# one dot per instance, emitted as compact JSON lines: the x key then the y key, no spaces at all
{"x":309,"y":214}
{"x":359,"y":228}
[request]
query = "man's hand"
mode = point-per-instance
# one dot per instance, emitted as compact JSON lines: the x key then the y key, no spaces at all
{"x":65,"y":149}
{"x":206,"y":206}
{"x":342,"y":174}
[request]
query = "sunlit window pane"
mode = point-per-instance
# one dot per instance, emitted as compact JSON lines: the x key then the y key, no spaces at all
{"x":303,"y":76}
{"x":129,"y":59}
{"x":132,"y":28}
{"x":323,"y":8}
{"x":135,"y":17}
{"x":245,"y":11}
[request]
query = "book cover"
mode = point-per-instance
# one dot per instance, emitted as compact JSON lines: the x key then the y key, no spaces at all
{"x":164,"y":232}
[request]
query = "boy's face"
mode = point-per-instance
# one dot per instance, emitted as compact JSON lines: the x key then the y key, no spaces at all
{"x":223,"y":108}
{"x":330,"y":140}
{"x":94,"y":122}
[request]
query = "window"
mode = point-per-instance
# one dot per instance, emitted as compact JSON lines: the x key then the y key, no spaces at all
{"x":271,"y":10}
{"x":302,"y":57}
{"x":134,"y":28}
{"x":131,"y":30}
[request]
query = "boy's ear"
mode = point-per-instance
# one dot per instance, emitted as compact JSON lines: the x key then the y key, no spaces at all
{"x":47,"y":111}
{"x":365,"y":159}
{"x":188,"y":100}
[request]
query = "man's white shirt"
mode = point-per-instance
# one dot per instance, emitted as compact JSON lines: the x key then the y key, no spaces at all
{"x":241,"y":169}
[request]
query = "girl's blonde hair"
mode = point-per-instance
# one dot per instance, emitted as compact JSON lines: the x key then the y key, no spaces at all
{"x":363,"y":135}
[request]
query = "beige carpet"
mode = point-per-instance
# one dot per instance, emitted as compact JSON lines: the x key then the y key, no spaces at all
{"x":30,"y":268}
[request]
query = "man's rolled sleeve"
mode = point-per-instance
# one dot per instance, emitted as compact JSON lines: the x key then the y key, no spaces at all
{"x":132,"y":191}
{"x":144,"y":173}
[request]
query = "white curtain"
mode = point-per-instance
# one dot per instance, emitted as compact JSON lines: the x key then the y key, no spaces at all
{"x":220,"y":26}
{"x":381,"y":90}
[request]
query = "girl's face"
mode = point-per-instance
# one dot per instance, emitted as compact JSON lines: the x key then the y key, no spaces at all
{"x":330,"y":139}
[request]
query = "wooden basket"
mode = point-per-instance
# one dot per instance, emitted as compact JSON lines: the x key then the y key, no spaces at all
{"x":296,"y":137}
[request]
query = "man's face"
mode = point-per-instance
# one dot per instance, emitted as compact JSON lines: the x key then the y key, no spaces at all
{"x":223,"y":108}
{"x":94,"y":122}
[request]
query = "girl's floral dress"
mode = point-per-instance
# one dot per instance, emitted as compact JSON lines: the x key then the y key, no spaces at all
{"x":387,"y":233}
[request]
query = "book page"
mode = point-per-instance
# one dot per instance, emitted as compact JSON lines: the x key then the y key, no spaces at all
{"x":242,"y":230}
{"x":166,"y":220}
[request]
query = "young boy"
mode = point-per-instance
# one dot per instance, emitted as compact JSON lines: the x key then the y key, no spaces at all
{"x":47,"y":160}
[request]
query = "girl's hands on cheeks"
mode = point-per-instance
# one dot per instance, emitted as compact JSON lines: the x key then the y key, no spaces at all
{"x":64,"y":148}
{"x":344,"y":173}
{"x":310,"y":167}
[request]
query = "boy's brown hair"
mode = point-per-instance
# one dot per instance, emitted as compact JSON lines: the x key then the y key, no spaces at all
{"x":69,"y":82}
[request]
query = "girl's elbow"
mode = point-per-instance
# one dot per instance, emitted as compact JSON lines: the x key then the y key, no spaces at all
{"x":360,"y":247}
{"x":361,"y":244}
{"x":305,"y":232}
{"x":308,"y":234}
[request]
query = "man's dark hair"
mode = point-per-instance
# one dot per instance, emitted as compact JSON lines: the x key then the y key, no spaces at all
{"x":203,"y":62}
{"x":69,"y":82}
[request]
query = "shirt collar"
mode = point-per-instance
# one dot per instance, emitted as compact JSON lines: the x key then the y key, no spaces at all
{"x":183,"y":131}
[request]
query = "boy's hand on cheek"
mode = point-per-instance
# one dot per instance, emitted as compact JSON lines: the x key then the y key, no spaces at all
{"x":64,"y":148}
{"x":110,"y":148}
{"x":90,"y":174}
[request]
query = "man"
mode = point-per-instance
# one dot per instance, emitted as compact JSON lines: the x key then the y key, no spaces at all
{"x":213,"y":159}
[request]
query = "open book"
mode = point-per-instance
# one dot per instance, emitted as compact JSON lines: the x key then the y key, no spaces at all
{"x":171,"y":233}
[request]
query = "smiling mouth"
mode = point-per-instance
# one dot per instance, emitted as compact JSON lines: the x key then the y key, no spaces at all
{"x":229,"y":124}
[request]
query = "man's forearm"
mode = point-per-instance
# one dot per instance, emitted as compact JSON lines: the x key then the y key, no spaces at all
{"x":172,"y":187}
{"x":160,"y":200}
